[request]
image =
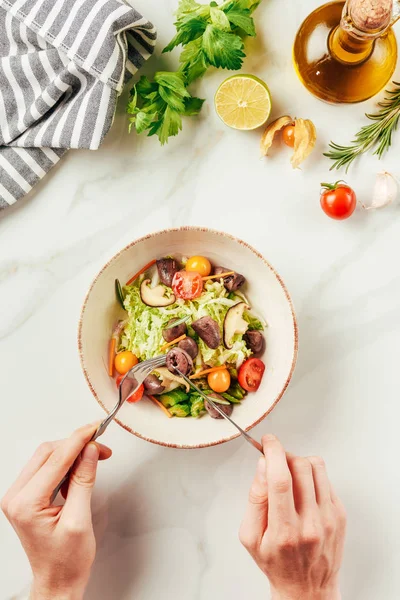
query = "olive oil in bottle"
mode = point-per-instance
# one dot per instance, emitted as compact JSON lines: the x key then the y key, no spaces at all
{"x":347,"y":51}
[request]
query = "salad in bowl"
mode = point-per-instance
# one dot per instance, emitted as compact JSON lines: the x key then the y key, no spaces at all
{"x":244,"y":319}
{"x":199,"y":314}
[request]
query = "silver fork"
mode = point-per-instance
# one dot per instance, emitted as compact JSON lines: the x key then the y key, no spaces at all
{"x":132,"y":380}
{"x":246,"y":436}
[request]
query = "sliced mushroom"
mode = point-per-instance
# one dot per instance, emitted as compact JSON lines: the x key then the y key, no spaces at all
{"x":155,"y":296}
{"x":234,"y":323}
{"x":231,"y":282}
{"x":226,"y":409}
{"x":171,"y":381}
{"x":153,"y":385}
{"x":171,"y":333}
{"x":167,"y":267}
{"x":189,"y":346}
{"x":208,"y":330}
{"x":255,"y":341}
{"x":179,"y":359}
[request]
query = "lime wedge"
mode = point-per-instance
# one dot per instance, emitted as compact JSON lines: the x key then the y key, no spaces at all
{"x":243,"y":102}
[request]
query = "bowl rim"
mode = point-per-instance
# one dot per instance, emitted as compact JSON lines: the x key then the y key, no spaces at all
{"x":198,"y":230}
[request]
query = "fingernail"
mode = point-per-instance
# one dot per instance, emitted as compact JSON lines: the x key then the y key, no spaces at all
{"x":90,"y":452}
{"x":261,"y":467}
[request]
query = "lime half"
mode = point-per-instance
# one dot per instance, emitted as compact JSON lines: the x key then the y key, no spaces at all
{"x":243,"y":102}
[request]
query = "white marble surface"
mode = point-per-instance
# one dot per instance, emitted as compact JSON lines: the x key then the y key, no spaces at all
{"x":167,"y":520}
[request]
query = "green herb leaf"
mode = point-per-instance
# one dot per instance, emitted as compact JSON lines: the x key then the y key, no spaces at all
{"x":171,"y":124}
{"x":191,"y":6}
{"x":172,"y":81}
{"x":173,"y":99}
{"x":193,"y":59}
{"x":377,"y":135}
{"x":193,"y":106}
{"x":188,"y":30}
{"x":223,"y":49}
{"x":240,"y":17}
{"x":144,"y":87}
{"x":132,"y":102}
{"x":143,"y":121}
{"x":219,"y":19}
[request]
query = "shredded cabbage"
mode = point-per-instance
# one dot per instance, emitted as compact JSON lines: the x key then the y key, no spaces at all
{"x":143,"y":333}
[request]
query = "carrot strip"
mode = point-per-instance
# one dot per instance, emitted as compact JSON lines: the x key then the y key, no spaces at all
{"x":165,"y":410}
{"x":221,"y":276}
{"x":178,"y":339}
{"x":207,"y":371}
{"x":132,"y":279}
{"x":111,"y":356}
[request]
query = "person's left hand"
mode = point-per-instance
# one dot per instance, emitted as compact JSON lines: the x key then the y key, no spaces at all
{"x":58,"y":540}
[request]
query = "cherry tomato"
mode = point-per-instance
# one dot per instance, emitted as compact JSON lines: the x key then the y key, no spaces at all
{"x":338,"y":200}
{"x":138,"y":395}
{"x":124,"y":361}
{"x":187,"y":285}
{"x":134,"y":397}
{"x":219,"y":381}
{"x":118,"y":380}
{"x":250,"y":374}
{"x":288,"y":135}
{"x":200,"y":264}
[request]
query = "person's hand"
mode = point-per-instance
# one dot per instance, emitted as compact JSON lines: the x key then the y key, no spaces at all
{"x":58,"y":540}
{"x":294,"y":527}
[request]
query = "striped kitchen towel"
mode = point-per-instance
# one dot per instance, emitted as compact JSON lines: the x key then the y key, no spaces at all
{"x":63,"y":64}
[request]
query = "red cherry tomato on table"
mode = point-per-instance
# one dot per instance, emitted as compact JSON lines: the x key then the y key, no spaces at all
{"x":187,"y":285}
{"x":338,"y":200}
{"x":250,"y":374}
{"x":134,"y":397}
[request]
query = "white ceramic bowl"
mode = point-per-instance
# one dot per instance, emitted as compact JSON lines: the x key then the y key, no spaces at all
{"x":268,"y":296}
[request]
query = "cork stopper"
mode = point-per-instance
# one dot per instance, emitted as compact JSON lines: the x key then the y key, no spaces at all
{"x":371,"y":15}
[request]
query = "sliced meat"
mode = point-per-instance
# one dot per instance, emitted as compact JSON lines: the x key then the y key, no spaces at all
{"x":189,"y":346}
{"x":226,"y":409}
{"x":171,"y":333}
{"x":231,"y":282}
{"x":254,"y":341}
{"x":153,"y":385}
{"x":179,"y":359}
{"x":208,"y":330}
{"x":167,"y":267}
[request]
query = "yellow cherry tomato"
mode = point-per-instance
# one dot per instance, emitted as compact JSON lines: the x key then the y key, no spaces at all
{"x":219,"y":381}
{"x":200,"y":264}
{"x":124,"y":361}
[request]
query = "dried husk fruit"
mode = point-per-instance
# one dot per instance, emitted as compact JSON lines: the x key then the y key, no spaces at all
{"x":305,"y":136}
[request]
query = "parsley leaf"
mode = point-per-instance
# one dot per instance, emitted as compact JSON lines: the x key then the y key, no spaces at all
{"x":223,"y":49}
{"x":240,"y":18}
{"x":189,"y":29}
{"x":158,"y":106}
{"x":143,"y":121}
{"x":219,"y":19}
{"x":194,"y":63}
{"x":193,"y":106}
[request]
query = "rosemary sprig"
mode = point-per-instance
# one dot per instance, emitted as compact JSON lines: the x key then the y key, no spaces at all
{"x":378,"y":134}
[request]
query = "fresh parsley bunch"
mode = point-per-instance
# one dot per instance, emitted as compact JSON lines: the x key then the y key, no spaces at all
{"x":211,"y":35}
{"x":158,"y":106}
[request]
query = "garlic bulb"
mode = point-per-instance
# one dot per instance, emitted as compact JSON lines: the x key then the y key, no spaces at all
{"x":385,"y":191}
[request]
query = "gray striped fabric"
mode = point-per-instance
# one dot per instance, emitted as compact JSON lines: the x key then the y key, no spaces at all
{"x":63,"y":65}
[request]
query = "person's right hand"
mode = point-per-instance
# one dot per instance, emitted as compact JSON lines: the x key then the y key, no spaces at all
{"x":294,"y":526}
{"x":58,"y":540}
